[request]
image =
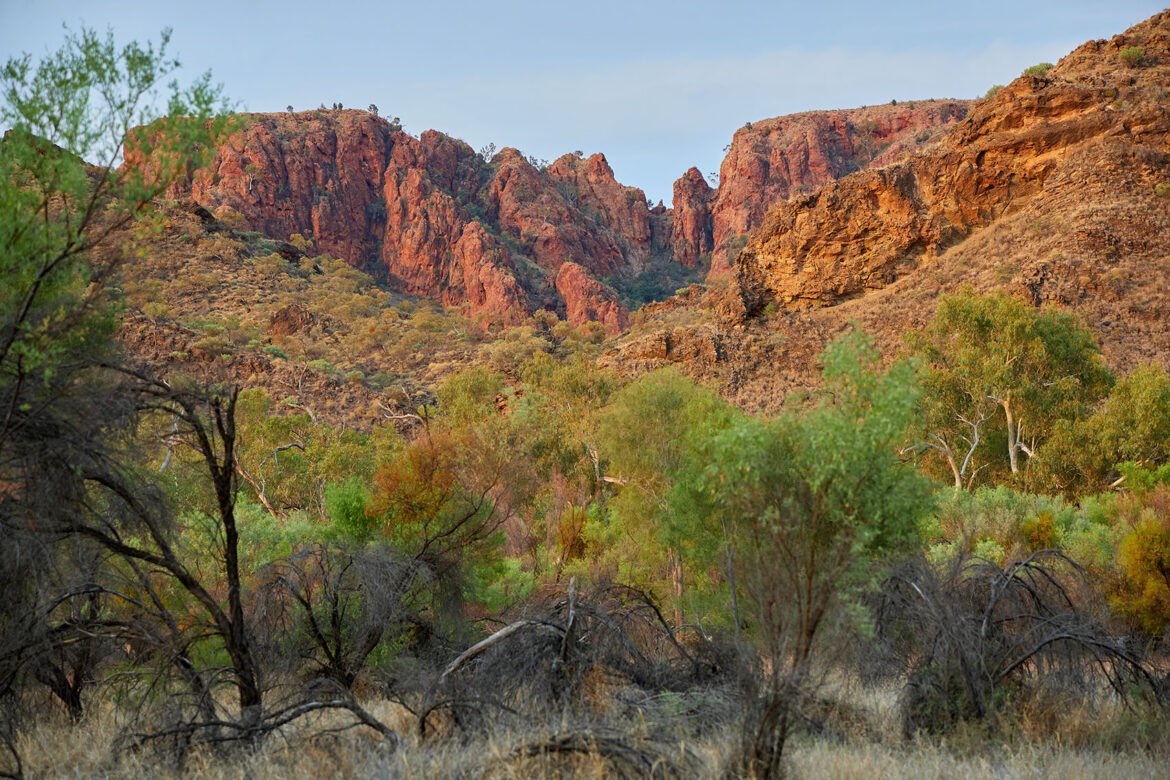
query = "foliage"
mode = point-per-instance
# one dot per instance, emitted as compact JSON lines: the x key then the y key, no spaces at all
{"x":648,"y":433}
{"x":81,"y":102}
{"x":1131,"y":56}
{"x":811,"y":502}
{"x":659,"y":280}
{"x":1144,"y":555}
{"x":1037,"y":70}
{"x":1132,"y":424}
{"x":998,"y":377}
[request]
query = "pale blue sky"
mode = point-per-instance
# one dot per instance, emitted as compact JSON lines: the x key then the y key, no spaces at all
{"x":656,"y":86}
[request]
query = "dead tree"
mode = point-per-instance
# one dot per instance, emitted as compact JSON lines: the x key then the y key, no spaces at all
{"x":958,"y":636}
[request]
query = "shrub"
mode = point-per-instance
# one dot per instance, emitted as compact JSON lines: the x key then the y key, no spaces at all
{"x":345,"y":505}
{"x":322,"y":365}
{"x":382,"y":380}
{"x":155,"y":309}
{"x":1131,"y":56}
{"x":1037,"y":70}
{"x":991,"y":92}
{"x":1162,"y":189}
{"x":275,"y":351}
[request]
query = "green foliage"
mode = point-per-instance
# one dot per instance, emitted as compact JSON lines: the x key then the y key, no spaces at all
{"x":292,"y":460}
{"x":1037,"y":70}
{"x":1131,"y":56}
{"x":1131,"y":425}
{"x":993,"y":363}
{"x":322,"y":365}
{"x":658,"y":281}
{"x":345,"y":505}
{"x":996,"y":523}
{"x":807,"y":504}
{"x":1162,"y":189}
{"x":75,"y":105}
{"x":647,"y":434}
{"x":992,"y":90}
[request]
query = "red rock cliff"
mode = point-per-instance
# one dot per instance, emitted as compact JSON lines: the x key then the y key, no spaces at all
{"x":771,"y":160}
{"x":1056,"y":135}
{"x":428,"y":214}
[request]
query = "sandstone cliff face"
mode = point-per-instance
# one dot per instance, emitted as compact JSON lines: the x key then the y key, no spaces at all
{"x":430,"y":216}
{"x":771,"y":160}
{"x":864,"y":231}
{"x":588,"y":300}
{"x":691,"y":230}
{"x":433,"y":218}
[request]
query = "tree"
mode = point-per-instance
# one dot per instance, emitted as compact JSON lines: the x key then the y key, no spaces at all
{"x":649,"y":433}
{"x":67,"y":411}
{"x":88,"y":101}
{"x":71,"y":116}
{"x":999,"y":374}
{"x":1132,"y":424}
{"x":812,"y":504}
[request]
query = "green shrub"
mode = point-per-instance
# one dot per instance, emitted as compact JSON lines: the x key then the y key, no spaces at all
{"x":275,"y":351}
{"x":322,"y":365}
{"x":382,"y":380}
{"x":345,"y":504}
{"x":991,"y":92}
{"x":155,"y":309}
{"x":1131,"y":56}
{"x":1037,"y":70}
{"x":1162,"y":189}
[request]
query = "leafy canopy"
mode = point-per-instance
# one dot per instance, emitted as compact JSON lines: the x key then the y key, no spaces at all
{"x":992,"y":361}
{"x":70,"y":118}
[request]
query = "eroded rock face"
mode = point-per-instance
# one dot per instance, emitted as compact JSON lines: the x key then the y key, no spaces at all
{"x":587,"y":299}
{"x":774,"y":159}
{"x":864,"y":231}
{"x":431,"y":216}
{"x":406,"y":209}
{"x":692,"y":228}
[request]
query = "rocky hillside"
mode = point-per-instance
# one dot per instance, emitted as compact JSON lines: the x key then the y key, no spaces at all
{"x":1091,"y":126}
{"x":1057,"y":188}
{"x":774,"y":159}
{"x":434,"y":218}
{"x":508,"y":235}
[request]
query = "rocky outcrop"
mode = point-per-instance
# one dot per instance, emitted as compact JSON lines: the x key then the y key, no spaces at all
{"x":773,"y":159}
{"x":864,"y":231}
{"x":430,"y":216}
{"x":403,"y":208}
{"x":588,"y":300}
{"x":692,"y":230}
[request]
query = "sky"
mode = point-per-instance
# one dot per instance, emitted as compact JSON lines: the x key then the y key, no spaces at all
{"x":655,"y":86}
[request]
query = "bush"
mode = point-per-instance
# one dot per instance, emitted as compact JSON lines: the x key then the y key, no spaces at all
{"x":1131,"y":56}
{"x":275,"y":351}
{"x":322,"y":365}
{"x":1037,"y":70}
{"x":345,"y":504}
{"x":991,"y":92}
{"x":1162,"y":189}
{"x":155,"y":309}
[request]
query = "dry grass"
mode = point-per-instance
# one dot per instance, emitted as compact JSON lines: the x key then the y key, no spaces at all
{"x":1084,"y":745}
{"x":822,"y":759}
